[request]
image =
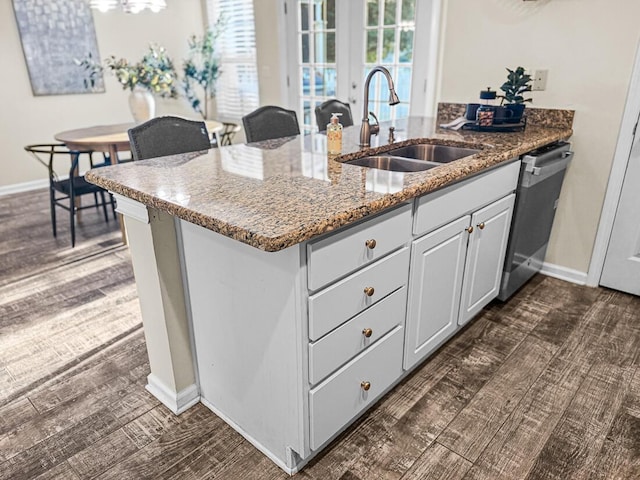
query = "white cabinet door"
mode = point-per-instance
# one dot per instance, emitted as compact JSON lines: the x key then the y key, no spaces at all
{"x":437,"y":267}
{"x":485,"y":256}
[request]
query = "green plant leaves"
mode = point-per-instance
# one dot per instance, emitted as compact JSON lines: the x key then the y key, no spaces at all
{"x":517,"y":83}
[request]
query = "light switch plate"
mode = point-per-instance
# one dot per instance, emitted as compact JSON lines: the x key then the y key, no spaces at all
{"x":539,"y":80}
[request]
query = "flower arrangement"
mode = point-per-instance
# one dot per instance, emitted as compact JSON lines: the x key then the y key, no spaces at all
{"x":155,"y":72}
{"x":202,"y":68}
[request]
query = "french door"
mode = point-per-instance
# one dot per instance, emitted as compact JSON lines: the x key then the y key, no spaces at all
{"x":334,"y":44}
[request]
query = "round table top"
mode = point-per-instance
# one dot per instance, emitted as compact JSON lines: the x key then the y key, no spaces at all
{"x":104,"y":138}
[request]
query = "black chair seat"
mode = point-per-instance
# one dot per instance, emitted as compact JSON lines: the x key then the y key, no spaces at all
{"x":80,"y":185}
{"x":73,"y":186}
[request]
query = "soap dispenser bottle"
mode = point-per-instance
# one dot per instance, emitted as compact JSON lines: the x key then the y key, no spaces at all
{"x":334,"y":135}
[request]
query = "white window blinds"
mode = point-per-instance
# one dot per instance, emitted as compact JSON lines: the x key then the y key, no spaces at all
{"x":237,"y":87}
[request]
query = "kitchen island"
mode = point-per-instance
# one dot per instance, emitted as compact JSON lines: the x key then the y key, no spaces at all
{"x":263,"y":294}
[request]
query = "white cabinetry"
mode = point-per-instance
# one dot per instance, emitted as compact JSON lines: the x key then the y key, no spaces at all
{"x":485,"y":256}
{"x":455,"y":268}
{"x":356,"y":323}
{"x":292,"y":346}
{"x":437,"y":265}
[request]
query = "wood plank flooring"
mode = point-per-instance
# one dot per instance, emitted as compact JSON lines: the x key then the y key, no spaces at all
{"x":546,"y":386}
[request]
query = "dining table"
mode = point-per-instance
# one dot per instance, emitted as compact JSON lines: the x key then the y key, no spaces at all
{"x":110,"y":139}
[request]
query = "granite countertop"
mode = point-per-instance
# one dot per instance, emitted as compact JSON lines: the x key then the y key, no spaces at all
{"x":278,"y":193}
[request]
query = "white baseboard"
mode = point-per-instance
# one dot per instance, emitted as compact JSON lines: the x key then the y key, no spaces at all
{"x":564,"y":273}
{"x":177,"y":402}
{"x":280,"y":463}
{"x":24,"y":187}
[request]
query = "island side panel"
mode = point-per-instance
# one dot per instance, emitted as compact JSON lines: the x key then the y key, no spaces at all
{"x":249,"y":321}
{"x":156,"y":264}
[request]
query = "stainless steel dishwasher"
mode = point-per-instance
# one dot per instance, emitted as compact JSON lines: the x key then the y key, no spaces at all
{"x":541,"y":177}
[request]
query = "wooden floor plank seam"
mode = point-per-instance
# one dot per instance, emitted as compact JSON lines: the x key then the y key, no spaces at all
{"x":91,"y":417}
{"x":42,"y":382}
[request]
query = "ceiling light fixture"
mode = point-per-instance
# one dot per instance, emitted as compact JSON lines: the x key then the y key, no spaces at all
{"x":128,"y":6}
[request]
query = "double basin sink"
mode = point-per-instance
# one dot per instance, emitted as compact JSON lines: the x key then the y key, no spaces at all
{"x":414,"y":158}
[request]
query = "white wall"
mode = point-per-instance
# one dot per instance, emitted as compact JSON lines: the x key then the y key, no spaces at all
{"x":588,"y":46}
{"x":26,"y":119}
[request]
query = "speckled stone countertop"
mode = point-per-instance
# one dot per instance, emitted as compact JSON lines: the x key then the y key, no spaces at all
{"x":278,"y":193}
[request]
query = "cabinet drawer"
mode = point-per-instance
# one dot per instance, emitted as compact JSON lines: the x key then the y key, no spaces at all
{"x":333,"y":257}
{"x":345,"y":342}
{"x":336,"y":304}
{"x":336,"y":401}
{"x":438,"y":208}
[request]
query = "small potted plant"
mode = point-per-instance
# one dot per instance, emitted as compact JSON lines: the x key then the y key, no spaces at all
{"x":516,"y":85}
{"x":153,"y":75}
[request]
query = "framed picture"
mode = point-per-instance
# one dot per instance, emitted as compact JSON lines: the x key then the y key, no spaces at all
{"x":56,"y":36}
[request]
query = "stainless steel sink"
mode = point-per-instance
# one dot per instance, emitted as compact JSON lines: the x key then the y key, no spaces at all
{"x":393,"y":163}
{"x":432,"y":153}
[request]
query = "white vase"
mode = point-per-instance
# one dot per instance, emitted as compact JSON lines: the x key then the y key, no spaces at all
{"x":142,"y":104}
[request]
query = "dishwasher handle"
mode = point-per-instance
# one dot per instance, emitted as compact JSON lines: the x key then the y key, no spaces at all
{"x":549,"y":168}
{"x":536,"y":174}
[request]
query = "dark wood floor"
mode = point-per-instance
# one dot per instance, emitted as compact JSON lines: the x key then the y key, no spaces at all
{"x":546,"y":386}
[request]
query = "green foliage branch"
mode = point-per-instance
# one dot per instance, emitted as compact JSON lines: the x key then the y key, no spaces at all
{"x":201,"y":69}
{"x":155,"y":72}
{"x":517,"y":83}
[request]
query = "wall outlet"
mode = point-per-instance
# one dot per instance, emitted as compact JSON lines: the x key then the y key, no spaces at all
{"x":539,"y":78}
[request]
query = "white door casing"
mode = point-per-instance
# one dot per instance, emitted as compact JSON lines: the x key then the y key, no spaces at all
{"x":624,"y":146}
{"x":349,"y":59}
{"x":621,"y":269}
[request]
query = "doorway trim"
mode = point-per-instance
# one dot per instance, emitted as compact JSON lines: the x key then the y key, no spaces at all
{"x":616,"y":178}
{"x":433,"y":65}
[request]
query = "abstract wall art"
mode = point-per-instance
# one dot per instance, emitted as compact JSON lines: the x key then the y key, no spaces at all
{"x":55,"y":36}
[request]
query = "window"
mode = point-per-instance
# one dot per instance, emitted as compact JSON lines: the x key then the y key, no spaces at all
{"x":237,"y":87}
{"x":389,"y":30}
{"x":317,"y":68}
{"x":339,"y":42}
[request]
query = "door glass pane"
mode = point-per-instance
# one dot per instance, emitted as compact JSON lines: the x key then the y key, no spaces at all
{"x":318,"y":61}
{"x":408,"y":10}
{"x":330,"y":81}
{"x":406,"y":46}
{"x":389,"y":42}
{"x":304,"y":17}
{"x":388,"y":45}
{"x":390,"y":12}
{"x":331,"y":14}
{"x":372,"y":13}
{"x":372,"y":46}
{"x":304,"y":45}
{"x":403,"y":82}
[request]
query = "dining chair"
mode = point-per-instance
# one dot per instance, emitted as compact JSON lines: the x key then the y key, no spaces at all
{"x":270,"y":122}
{"x":168,"y":135}
{"x":66,"y":189}
{"x":229,"y":131}
{"x":325,"y":109}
